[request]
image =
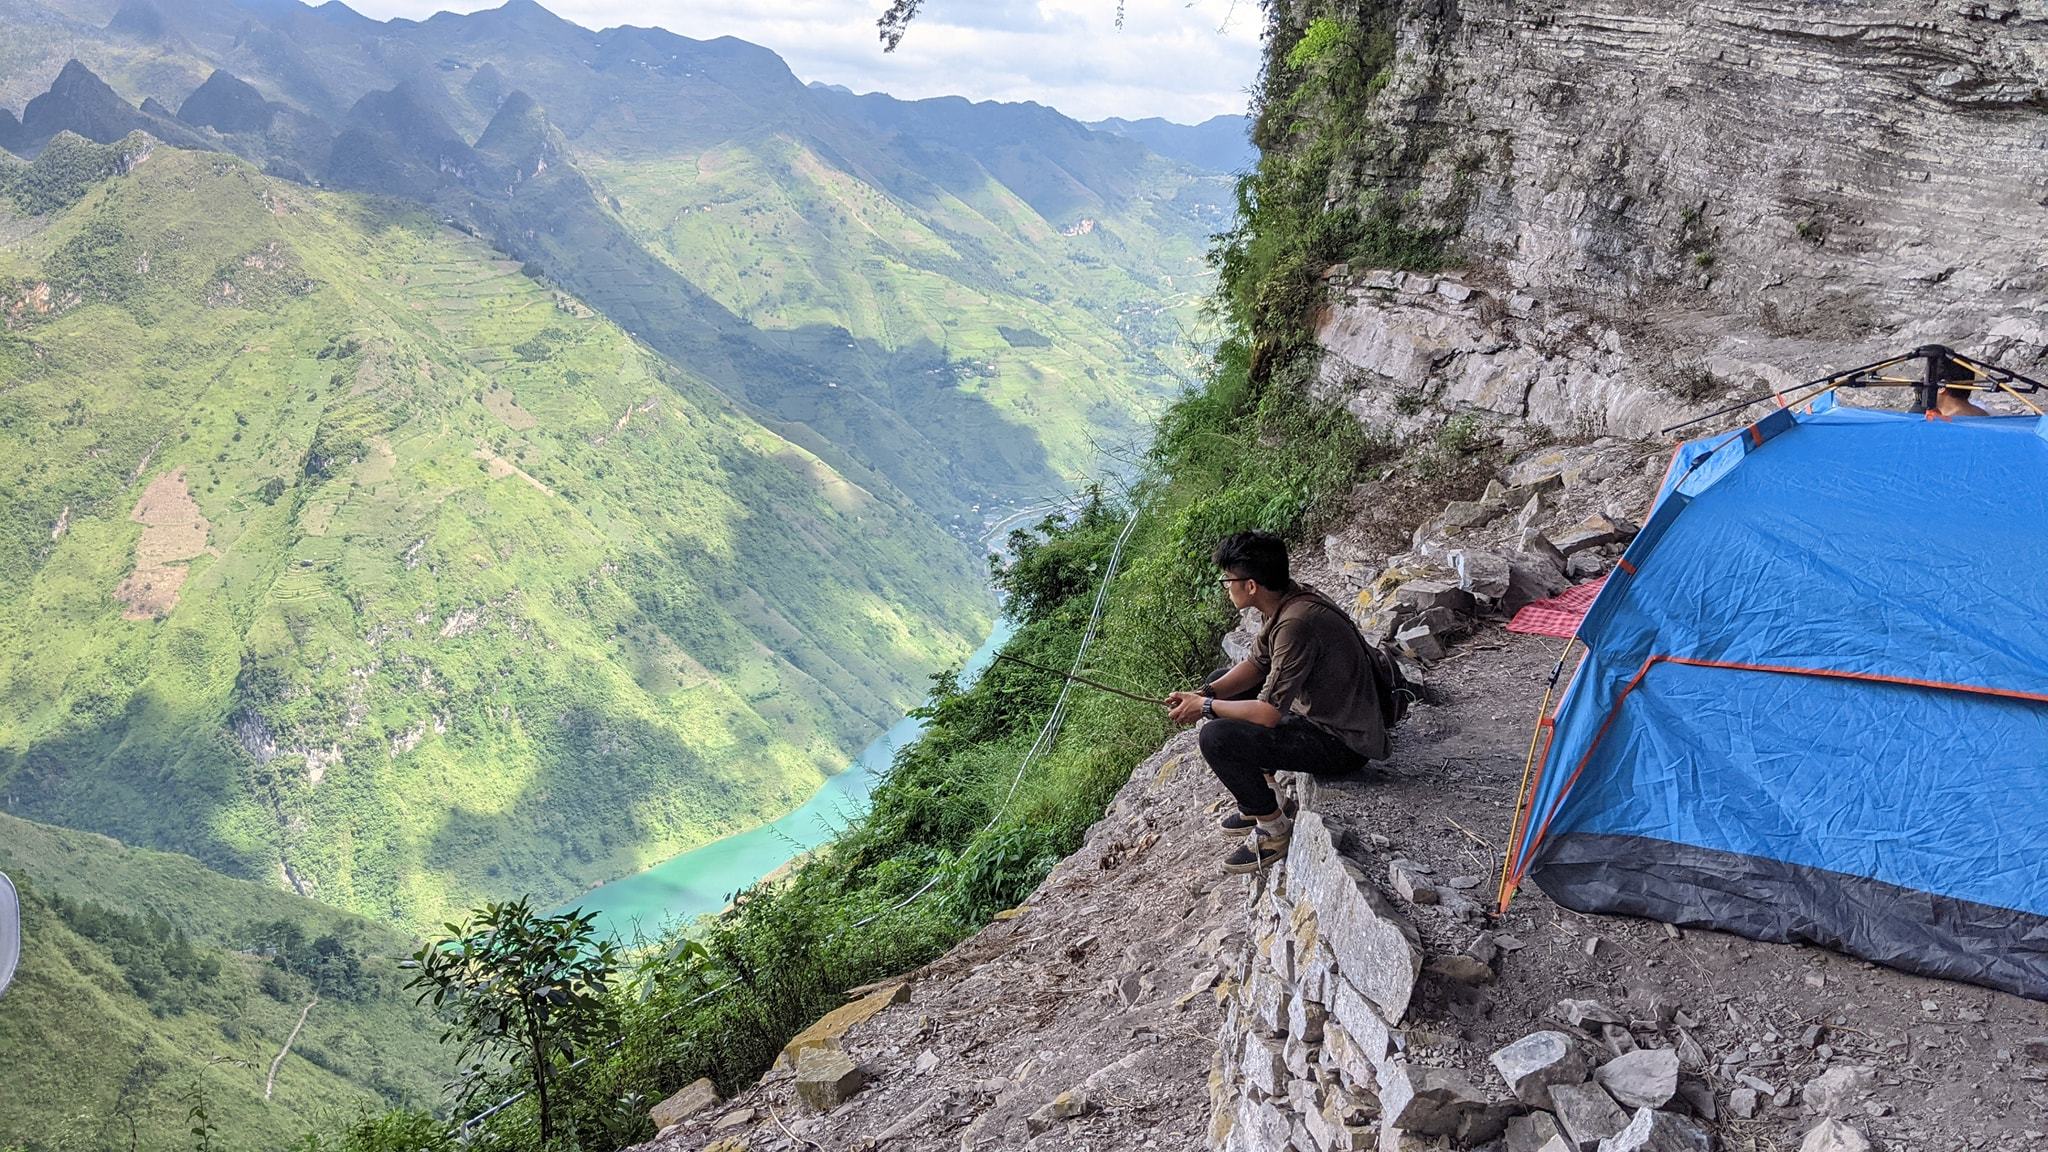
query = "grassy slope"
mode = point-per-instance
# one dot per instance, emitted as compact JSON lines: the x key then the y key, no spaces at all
{"x":84,"y":1053}
{"x":504,"y":621}
{"x":782,"y":235}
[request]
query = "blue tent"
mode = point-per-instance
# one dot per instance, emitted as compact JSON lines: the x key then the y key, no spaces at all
{"x":1813,"y":704}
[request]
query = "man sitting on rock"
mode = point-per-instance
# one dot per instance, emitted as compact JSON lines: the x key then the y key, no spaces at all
{"x":1305,"y":701}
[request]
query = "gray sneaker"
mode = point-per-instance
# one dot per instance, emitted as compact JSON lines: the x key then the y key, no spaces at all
{"x":1256,"y":854}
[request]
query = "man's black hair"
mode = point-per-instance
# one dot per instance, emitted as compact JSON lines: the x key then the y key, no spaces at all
{"x":1259,"y":555}
{"x":1951,"y":374}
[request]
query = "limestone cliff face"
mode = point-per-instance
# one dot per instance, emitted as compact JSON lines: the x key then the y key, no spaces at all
{"x":1686,"y":194}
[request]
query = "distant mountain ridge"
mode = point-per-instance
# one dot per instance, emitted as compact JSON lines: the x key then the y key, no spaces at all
{"x":1218,"y":144}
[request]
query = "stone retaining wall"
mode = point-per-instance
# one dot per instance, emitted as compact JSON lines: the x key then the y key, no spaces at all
{"x":1311,"y":1053}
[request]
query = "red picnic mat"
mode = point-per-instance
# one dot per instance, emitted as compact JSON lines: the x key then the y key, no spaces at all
{"x":1560,"y":615}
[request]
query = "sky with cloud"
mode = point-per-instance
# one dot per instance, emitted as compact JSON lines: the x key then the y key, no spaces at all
{"x":1185,"y":60}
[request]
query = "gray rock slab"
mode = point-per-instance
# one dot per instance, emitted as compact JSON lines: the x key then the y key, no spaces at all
{"x":1410,"y":881}
{"x":1582,"y":1012}
{"x":1652,"y":1131}
{"x":1418,"y":641}
{"x":1428,"y":1101}
{"x":1532,"y":1132}
{"x":1532,"y":577}
{"x":1425,"y":594}
{"x":827,"y":1078}
{"x":1538,"y":1062}
{"x":1646,"y":1078}
{"x":1483,"y":574}
{"x":1586,"y":1114}
{"x":1263,"y":1066}
{"x":694,"y":1098}
{"x":1375,"y":948}
{"x":1835,"y":1091}
{"x":1459,"y":969}
{"x":1593,"y":532}
{"x":1834,"y":1136}
{"x":1261,"y":1126}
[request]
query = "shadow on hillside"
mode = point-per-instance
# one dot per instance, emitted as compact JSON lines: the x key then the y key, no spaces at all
{"x":150,"y":776}
{"x":604,"y":781}
{"x":866,"y":409}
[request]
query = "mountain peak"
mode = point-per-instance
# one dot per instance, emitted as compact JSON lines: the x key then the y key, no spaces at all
{"x":138,"y":18}
{"x":410,"y":110}
{"x":486,"y":88}
{"x":73,"y":74}
{"x":336,"y":12}
{"x":79,"y":101}
{"x":519,"y":138}
{"x":227,"y":103}
{"x":522,"y":15}
{"x":1218,"y":144}
{"x":518,"y":126}
{"x":398,"y":142}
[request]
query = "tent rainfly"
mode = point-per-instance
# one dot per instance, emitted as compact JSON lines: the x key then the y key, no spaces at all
{"x":1813,"y":702}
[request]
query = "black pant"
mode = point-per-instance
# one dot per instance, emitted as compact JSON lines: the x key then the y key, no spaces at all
{"x":1241,"y":753}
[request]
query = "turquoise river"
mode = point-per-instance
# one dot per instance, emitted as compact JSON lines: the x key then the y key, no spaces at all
{"x":703,"y":879}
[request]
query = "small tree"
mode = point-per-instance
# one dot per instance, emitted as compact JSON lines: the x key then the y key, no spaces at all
{"x":529,"y":989}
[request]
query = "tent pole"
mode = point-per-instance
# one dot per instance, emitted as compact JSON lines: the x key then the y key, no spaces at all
{"x":1930,"y":388}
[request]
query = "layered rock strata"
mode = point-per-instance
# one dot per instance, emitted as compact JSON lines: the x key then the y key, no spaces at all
{"x":1660,"y":204}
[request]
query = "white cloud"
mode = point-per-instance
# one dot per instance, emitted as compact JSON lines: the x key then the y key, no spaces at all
{"x":1186,"y":60}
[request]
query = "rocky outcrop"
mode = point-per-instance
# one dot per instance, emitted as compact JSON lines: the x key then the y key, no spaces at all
{"x":1082,"y":1018}
{"x":80,"y":102}
{"x":1660,"y":203}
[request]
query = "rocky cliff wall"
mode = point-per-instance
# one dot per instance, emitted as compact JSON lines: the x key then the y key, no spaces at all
{"x":1663,"y":201}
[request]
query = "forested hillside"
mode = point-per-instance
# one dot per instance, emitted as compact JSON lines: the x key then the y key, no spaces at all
{"x":343,"y":554}
{"x":149,"y":984}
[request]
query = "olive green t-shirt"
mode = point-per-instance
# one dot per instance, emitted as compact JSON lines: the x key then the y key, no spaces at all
{"x":1316,"y":667}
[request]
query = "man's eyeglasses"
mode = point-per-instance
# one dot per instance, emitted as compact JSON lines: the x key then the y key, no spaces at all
{"x":1235,"y":580}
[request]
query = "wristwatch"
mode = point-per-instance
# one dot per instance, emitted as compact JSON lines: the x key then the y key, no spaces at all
{"x":1208,"y":707}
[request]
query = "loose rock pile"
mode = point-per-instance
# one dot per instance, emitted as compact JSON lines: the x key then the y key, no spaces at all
{"x":1554,"y":517}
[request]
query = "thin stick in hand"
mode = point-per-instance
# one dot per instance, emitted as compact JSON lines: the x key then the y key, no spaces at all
{"x":1096,"y":684}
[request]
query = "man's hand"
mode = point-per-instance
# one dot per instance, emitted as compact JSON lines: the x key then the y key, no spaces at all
{"x":1184,"y":707}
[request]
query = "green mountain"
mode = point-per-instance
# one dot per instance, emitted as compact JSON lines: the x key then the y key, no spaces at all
{"x":343,"y":555}
{"x":145,"y":976}
{"x":460,"y":458}
{"x":584,"y":492}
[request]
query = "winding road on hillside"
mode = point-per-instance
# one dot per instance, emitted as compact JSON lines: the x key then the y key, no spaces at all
{"x":10,"y":931}
{"x":270,"y":1082}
